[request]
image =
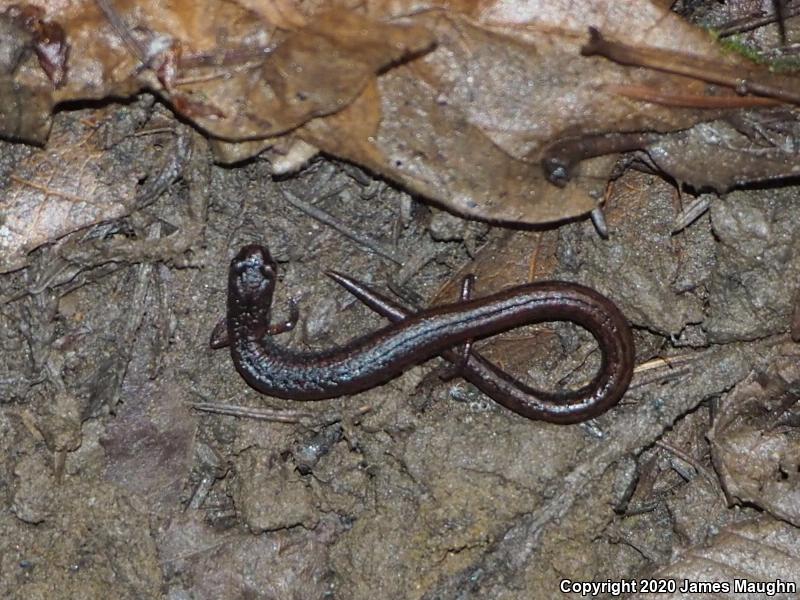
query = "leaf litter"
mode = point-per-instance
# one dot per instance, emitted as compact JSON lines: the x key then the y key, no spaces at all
{"x":458,"y":104}
{"x":465,"y":106}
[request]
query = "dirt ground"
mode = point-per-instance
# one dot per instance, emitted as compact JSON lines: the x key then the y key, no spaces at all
{"x":136,"y":463}
{"x":115,"y":484}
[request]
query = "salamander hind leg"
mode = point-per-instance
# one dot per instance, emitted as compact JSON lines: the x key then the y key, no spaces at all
{"x":455,"y":369}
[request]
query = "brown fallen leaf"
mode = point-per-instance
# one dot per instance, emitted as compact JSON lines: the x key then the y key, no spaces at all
{"x":758,"y":146}
{"x":77,"y":181}
{"x":316,"y":70}
{"x":467,"y":123}
{"x":746,"y":557}
{"x":56,"y":192}
{"x":754,"y":444}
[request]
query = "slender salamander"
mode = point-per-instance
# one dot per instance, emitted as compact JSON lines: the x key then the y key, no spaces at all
{"x":414,"y":337}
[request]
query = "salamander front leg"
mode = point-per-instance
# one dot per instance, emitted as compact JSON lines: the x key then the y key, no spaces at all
{"x":219,"y":335}
{"x":290,"y":322}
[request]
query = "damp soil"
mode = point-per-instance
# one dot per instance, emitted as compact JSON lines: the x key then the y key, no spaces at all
{"x":121,"y":475}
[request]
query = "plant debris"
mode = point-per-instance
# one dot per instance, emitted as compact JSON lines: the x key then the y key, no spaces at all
{"x":459,"y":104}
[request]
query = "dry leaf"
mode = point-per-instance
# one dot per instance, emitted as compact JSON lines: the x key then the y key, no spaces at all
{"x":467,"y":123}
{"x":55,"y":192}
{"x":317,"y":70}
{"x":76,"y":182}
{"x":461,"y":103}
{"x":755,"y":448}
{"x":741,"y":555}
{"x":718,"y":156}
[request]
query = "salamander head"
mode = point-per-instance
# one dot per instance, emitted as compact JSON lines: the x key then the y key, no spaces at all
{"x":251,"y":278}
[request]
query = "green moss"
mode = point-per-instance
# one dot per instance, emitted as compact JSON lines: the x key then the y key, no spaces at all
{"x":736,"y":45}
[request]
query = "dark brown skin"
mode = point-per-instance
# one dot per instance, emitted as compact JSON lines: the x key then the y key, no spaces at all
{"x":373,"y":359}
{"x":564,"y":407}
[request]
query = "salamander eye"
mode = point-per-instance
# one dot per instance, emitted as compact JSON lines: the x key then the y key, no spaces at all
{"x":241,"y":266}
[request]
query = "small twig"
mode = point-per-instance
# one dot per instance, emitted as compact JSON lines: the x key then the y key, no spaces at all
{"x":691,"y":213}
{"x":599,"y":222}
{"x":742,"y":80}
{"x":658,"y":378}
{"x":122,"y":31}
{"x":667,"y":98}
{"x":787,"y":51}
{"x":328,"y":219}
{"x":671,"y":362}
{"x":755,"y":20}
{"x":780,"y":13}
{"x":275,"y":415}
{"x":259,"y":414}
{"x":690,"y":460}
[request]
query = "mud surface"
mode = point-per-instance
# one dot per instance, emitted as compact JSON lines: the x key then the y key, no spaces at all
{"x":114,"y":484}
